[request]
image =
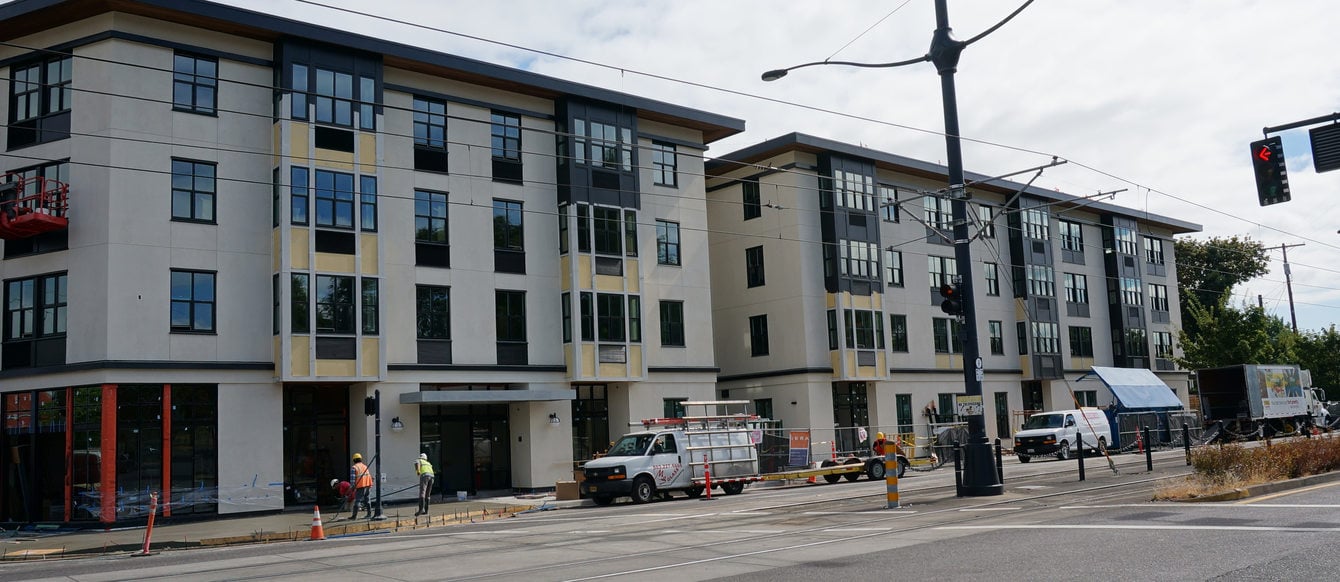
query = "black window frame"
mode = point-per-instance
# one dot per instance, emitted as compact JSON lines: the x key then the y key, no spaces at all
{"x":667,"y":250}
{"x":753,"y":267}
{"x":46,"y":116}
{"x":1072,"y":235}
{"x":46,"y":316}
{"x":339,"y":200}
{"x":192,"y":302}
{"x":664,"y":164}
{"x":432,"y":323}
{"x":367,"y":203}
{"x":429,"y":114}
{"x":948,"y":336}
{"x":333,"y":99}
{"x":991,"y":273}
{"x":300,"y":195}
{"x":334,"y":314}
{"x":672,"y":323}
{"x":888,"y":202}
{"x":510,"y":315}
{"x":996,"y":333}
{"x":611,"y":326}
{"x":893,"y":268}
{"x":300,"y":306}
{"x":505,"y":135}
{"x":187,"y":76}
{"x":758,"y":335}
{"x":196,"y":186}
{"x":751,"y":199}
{"x":1153,"y":250}
{"x":898,"y":341}
{"x":1081,"y":341}
{"x":508,"y":236}
{"x":432,"y":233}
{"x":1076,"y":288}
{"x":370,"y":304}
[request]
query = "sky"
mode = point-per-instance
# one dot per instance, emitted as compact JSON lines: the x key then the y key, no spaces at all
{"x":1159,"y":98}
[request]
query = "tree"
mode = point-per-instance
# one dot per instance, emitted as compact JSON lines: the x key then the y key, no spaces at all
{"x":1208,"y":270}
{"x":1316,"y":353}
{"x":1220,"y":335}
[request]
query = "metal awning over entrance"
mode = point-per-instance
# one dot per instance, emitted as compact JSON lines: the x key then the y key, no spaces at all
{"x":1136,"y":388}
{"x":484,"y":396}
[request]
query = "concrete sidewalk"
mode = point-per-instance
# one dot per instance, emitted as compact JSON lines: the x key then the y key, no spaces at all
{"x":285,"y":526}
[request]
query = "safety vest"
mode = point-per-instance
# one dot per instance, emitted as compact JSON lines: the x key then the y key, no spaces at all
{"x":423,"y":467}
{"x":362,"y":478}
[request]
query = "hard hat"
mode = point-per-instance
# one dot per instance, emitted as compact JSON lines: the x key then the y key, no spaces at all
{"x":334,"y":482}
{"x":423,"y":456}
{"x":879,"y":436}
{"x":358,"y":457}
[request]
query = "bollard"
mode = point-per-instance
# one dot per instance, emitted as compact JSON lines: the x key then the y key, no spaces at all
{"x":1186,"y":442}
{"x":958,"y":470}
{"x":891,"y":475}
{"x":148,"y":531}
{"x":1000,"y":464}
{"x":1079,"y":443}
{"x":1149,"y":451}
{"x":707,"y":475}
{"x":1219,"y":432}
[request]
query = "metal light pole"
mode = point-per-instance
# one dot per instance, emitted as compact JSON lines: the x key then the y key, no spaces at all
{"x":377,"y":453}
{"x":979,"y":472}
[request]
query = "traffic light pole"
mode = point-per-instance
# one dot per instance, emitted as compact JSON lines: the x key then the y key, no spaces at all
{"x":979,"y":473}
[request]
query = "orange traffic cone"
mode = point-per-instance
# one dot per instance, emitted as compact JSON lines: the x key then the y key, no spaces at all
{"x":1140,"y":442}
{"x":318,"y":533}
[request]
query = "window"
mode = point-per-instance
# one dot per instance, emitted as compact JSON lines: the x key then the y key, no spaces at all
{"x":1041,"y":280}
{"x":192,"y":191}
{"x":634,"y":318}
{"x":1163,"y":346}
{"x":1158,"y":297}
{"x":939,"y":212}
{"x":948,"y":335}
{"x":430,"y":228}
{"x":832,"y":329}
{"x":430,"y":123}
{"x":507,"y":231}
{"x":942,"y":270}
{"x":753,"y":202}
{"x":898,"y":332}
{"x":195,"y":82}
{"x":672,"y":323}
{"x":510,"y":311}
{"x":987,"y":215}
{"x":893,"y":266}
{"x":371,"y":306}
{"x":758,"y":335}
{"x":39,"y":96}
{"x":299,"y":308}
{"x":334,"y":304}
{"x":630,"y":232}
{"x":1086,"y":397}
{"x":996,"y":331}
{"x":854,"y":191}
{"x":753,"y":266}
{"x":584,"y":228}
{"x":1035,"y":222}
{"x":588,"y":317}
{"x":858,"y":259}
{"x":334,"y":97}
{"x":673,"y":407}
{"x":565,"y":300}
{"x":1130,"y":291}
{"x":664,"y":163}
{"x":334,"y":199}
{"x":763,"y":407}
{"x":1124,"y":238}
{"x":610,"y":318}
{"x":1076,"y":288}
{"x":299,"y":194}
{"x":667,"y":242}
{"x":433,"y":312}
{"x":276,"y":304}
{"x":1072,"y":236}
{"x":299,"y":94}
{"x":609,"y":146}
{"x":35,"y":310}
{"x":1046,"y":338}
{"x":504,"y":129}
{"x":192,"y":301}
{"x":992,"y":278}
{"x":1021,"y":333}
{"x":608,"y":230}
{"x":367,"y":95}
{"x":367,"y":197}
{"x":1081,"y":342}
{"x":1153,"y":250}
{"x":865,"y":329}
{"x":888,"y":202}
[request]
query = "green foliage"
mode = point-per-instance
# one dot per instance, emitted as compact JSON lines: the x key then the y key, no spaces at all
{"x":1280,"y":460}
{"x":1219,"y":335}
{"x":1317,"y":352}
{"x":1208,"y":270}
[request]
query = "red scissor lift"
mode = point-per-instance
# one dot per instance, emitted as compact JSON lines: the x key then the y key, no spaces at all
{"x":32,"y":205}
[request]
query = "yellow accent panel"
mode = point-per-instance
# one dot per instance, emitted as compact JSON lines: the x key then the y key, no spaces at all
{"x":274,"y":251}
{"x":565,"y":282}
{"x":609,"y":283}
{"x":588,"y":359}
{"x":583,"y":271}
{"x":298,"y":149}
{"x":298,"y":246}
{"x":369,"y":264}
{"x":1026,"y":366}
{"x":336,"y":368}
{"x":1019,"y":313}
{"x":835,"y":361}
{"x":632,"y":276}
{"x":371,"y":354}
{"x":860,"y":302}
{"x":613,"y":371}
{"x":334,"y":159}
{"x":877,"y":301}
{"x":634,"y":361}
{"x":367,"y":152}
{"x":1080,"y":362}
{"x":881,"y":363}
{"x":948,"y":361}
{"x":276,"y":345}
{"x":333,"y":263}
{"x":832,"y":300}
{"x":567,"y":359}
{"x":300,"y":354}
{"x":865,"y":371}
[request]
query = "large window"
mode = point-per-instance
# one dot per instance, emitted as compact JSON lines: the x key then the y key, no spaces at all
{"x":865,"y":329}
{"x":1035,"y":221}
{"x":433,"y":312}
{"x":1158,"y":297}
{"x":664,"y":164}
{"x":195,"y":82}
{"x":758,"y":335}
{"x":192,"y":191}
{"x":898,"y":332}
{"x":1076,"y":288}
{"x":888,"y":202}
{"x":602,"y":144}
{"x":334,"y":304}
{"x":667,"y":242}
{"x":507,"y":231}
{"x":1041,"y":280}
{"x":948,"y":335}
{"x":996,"y":331}
{"x":752,"y":200}
{"x":367,"y":197}
{"x":1124,"y":238}
{"x":430,"y":123}
{"x":192,"y":301}
{"x":1153,"y":250}
{"x":35,"y":318}
{"x":893,"y":267}
{"x":610,"y":321}
{"x":371,"y":306}
{"x":987,"y":215}
{"x":608,"y":230}
{"x":942,"y":271}
{"x":992,"y":278}
{"x":430,"y":229}
{"x":298,"y":194}
{"x":510,"y":312}
{"x":854,"y":191}
{"x":300,"y":308}
{"x":588,"y":316}
{"x":39,"y":101}
{"x":939,"y":212}
{"x":858,"y":259}
{"x":753,"y":266}
{"x":334,"y":199}
{"x":672,"y":323}
{"x":1163,"y":345}
{"x":504,"y":130}
{"x":1072,"y":236}
{"x":1046,"y":338}
{"x":334,"y":97}
{"x":1130,"y":291}
{"x":1081,"y":342}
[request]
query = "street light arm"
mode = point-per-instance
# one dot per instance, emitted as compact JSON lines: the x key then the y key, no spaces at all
{"x":998,"y":24}
{"x":775,"y":74}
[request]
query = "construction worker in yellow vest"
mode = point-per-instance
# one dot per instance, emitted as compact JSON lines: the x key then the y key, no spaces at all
{"x":425,"y":471}
{"x":362,"y":480}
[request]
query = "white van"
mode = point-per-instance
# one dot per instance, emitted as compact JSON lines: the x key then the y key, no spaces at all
{"x":1053,"y":433}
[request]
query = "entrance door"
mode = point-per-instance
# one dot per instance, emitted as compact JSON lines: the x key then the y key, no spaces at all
{"x":316,"y":442}
{"x":468,"y":446}
{"x":850,"y":411}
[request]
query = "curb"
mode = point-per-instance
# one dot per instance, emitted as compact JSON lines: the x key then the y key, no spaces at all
{"x":1267,"y":488}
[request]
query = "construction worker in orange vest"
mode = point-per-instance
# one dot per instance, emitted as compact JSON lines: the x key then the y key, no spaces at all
{"x":879,"y":444}
{"x":362,"y":480}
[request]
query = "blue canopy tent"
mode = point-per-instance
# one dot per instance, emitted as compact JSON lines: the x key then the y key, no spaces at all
{"x":1140,"y":398}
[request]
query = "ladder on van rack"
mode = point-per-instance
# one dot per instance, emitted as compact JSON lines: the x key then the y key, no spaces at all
{"x":714,"y":414}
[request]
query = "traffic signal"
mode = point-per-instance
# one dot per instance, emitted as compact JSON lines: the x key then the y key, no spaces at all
{"x":370,"y":406}
{"x":1272,"y":184}
{"x":953,"y":301}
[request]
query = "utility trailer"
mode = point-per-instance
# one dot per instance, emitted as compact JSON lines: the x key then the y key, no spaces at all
{"x":1245,"y":399}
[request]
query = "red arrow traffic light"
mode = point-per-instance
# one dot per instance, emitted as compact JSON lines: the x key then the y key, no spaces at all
{"x":1263,"y":153}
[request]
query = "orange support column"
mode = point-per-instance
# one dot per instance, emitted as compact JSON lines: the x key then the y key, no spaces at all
{"x":107,"y":480}
{"x":167,"y":451}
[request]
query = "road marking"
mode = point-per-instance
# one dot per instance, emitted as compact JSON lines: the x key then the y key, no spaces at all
{"x":860,"y":512}
{"x":851,"y":529}
{"x":722,"y":531}
{"x":1151,"y":527}
{"x":1238,"y":505}
{"x":742,"y":512}
{"x":1289,"y":492}
{"x":990,"y":509}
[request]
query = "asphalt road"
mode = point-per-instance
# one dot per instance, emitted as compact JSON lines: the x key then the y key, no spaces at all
{"x":1047,"y":526}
